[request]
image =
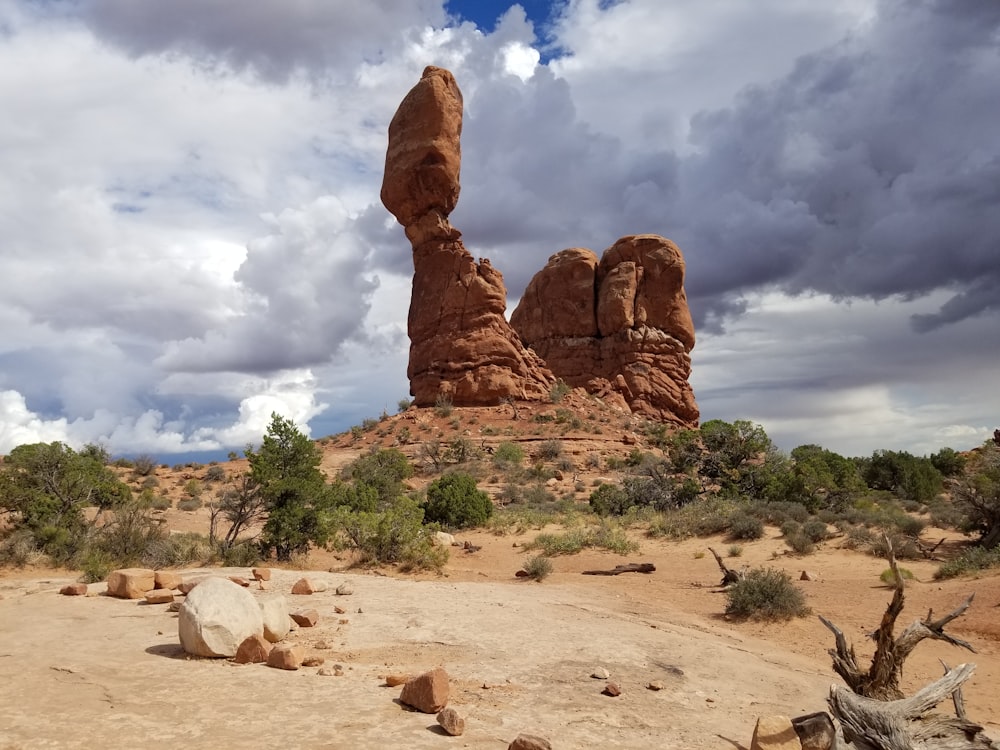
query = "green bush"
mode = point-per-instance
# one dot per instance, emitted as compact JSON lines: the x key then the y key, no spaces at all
{"x":609,"y":500}
{"x":765,"y":594}
{"x":972,"y":559}
{"x":559,"y":391}
{"x":443,"y":405}
{"x":215,"y":474}
{"x":549,"y":450}
{"x":888,"y":577}
{"x":508,"y":454}
{"x":538,"y":567}
{"x":605,"y":536}
{"x":456,"y":502}
{"x":144,"y":465}
{"x":191,"y":504}
{"x":403,"y":404}
{"x":745,"y":526}
{"x":815,"y":530}
{"x":395,"y":534}
{"x":800,"y":543}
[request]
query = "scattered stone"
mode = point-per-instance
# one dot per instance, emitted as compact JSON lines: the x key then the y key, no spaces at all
{"x":529,"y":742}
{"x":261,"y":574}
{"x":305,"y":618}
{"x":612,"y":689}
{"x":775,"y":733}
{"x":217,"y":617}
{"x":285,"y":656}
{"x":74,"y":589}
{"x":160,"y":596}
{"x":427,"y":692}
{"x":558,"y":475}
{"x":167,"y":579}
{"x":808,"y":575}
{"x":313,"y":660}
{"x":331,"y":670}
{"x":395,"y":680}
{"x":186,"y":587}
{"x":344,"y":621}
{"x":360,"y":611}
{"x":253,"y":650}
{"x":322,"y":645}
{"x":451,"y":722}
{"x":655,"y":685}
{"x":274,"y":611}
{"x":600,"y":674}
{"x":815,"y":731}
{"x":340,"y":610}
{"x":131,"y":583}
{"x":306,"y":586}
{"x":175,"y":606}
{"x":522,"y":574}
{"x":345,"y":589}
{"x":239,"y":581}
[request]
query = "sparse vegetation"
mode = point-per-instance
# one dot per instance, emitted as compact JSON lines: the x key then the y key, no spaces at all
{"x":765,"y":594}
{"x":607,"y":536}
{"x":456,"y":502}
{"x":538,"y":567}
{"x":971,"y":560}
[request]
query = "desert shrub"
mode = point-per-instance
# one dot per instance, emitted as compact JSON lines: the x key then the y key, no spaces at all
{"x":972,"y":559}
{"x":902,"y":547}
{"x":593,"y":461}
{"x":549,"y":450}
{"x":161,"y":502}
{"x":193,"y":489}
{"x":889,"y":578}
{"x":605,"y":536}
{"x":776,"y":513}
{"x":128,"y":535}
{"x":215,"y":474}
{"x":800,"y":544}
{"x":19,"y":549}
{"x":519,"y":520}
{"x":859,"y":537}
{"x":95,"y":565}
{"x":704,"y":518}
{"x":559,"y":391}
{"x":790,"y":528}
{"x":538,"y":567}
{"x":611,"y":537}
{"x":149,"y":483}
{"x":178,"y":549}
{"x":240,"y":555}
{"x":566,"y":465}
{"x":765,"y":594}
{"x":403,"y":404}
{"x":443,"y":405}
{"x":144,"y":465}
{"x":460,"y":450}
{"x":745,"y":526}
{"x":456,"y":502}
{"x":508,"y":454}
{"x":947,"y":516}
{"x":510,"y":494}
{"x":735,"y":550}
{"x":537,"y":495}
{"x":609,"y":500}
{"x":903,"y":474}
{"x":190,"y":504}
{"x":815,"y":530}
{"x":395,"y":534}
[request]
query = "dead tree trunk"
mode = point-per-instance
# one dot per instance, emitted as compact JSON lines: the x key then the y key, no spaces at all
{"x":881,"y":680}
{"x":906,"y":724}
{"x":729,"y":576}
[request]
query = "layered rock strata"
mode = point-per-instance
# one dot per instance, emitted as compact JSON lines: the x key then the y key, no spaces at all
{"x":461,"y":346}
{"x":618,"y":325}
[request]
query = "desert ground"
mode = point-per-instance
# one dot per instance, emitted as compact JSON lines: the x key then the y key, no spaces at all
{"x":94,"y":671}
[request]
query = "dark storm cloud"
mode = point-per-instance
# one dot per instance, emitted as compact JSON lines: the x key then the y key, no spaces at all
{"x":272,"y":38}
{"x":872,"y":170}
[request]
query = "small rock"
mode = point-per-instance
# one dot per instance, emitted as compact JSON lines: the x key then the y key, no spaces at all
{"x":612,"y":689}
{"x":655,"y":686}
{"x":167,"y":579}
{"x":285,"y":656}
{"x":808,"y":575}
{"x":159,"y":596}
{"x":239,"y":581}
{"x":253,"y":650}
{"x":305,"y":618}
{"x":261,"y":574}
{"x":186,"y":586}
{"x":360,"y":611}
{"x":557,"y":474}
{"x":74,"y":589}
{"x":331,"y":670}
{"x":443,"y":538}
{"x":322,"y":645}
{"x":529,"y":742}
{"x":451,"y":722}
{"x":775,"y":733}
{"x":305,"y":586}
{"x":600,"y":674}
{"x":175,"y":606}
{"x":340,"y":610}
{"x":427,"y":692}
{"x":816,"y":731}
{"x":313,"y":660}
{"x":395,"y":680}
{"x":344,"y":589}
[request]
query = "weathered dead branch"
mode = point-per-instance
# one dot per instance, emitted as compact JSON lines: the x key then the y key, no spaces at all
{"x":729,"y":576}
{"x":905,"y":724}
{"x":881,"y":679}
{"x":619,"y":569}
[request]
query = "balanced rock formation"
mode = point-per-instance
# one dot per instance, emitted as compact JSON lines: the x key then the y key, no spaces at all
{"x":620,"y":324}
{"x":461,"y":346}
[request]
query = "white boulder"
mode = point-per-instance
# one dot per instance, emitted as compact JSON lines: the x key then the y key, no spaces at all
{"x":217,"y":616}
{"x":274,"y":610}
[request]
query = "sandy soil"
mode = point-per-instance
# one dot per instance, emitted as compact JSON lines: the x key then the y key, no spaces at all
{"x":101,"y":672}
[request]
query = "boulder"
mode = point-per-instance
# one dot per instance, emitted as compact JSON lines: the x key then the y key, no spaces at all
{"x":167,"y":579}
{"x":131,"y":583}
{"x":74,"y":589}
{"x":253,"y":650}
{"x":345,"y":589}
{"x":306,"y":586}
{"x":443,"y":539}
{"x":775,"y":733}
{"x":217,"y":617}
{"x":285,"y":656}
{"x":274,"y":611}
{"x":461,"y":345}
{"x":620,"y":325}
{"x":427,"y":692}
{"x":529,"y":742}
{"x":451,"y":722}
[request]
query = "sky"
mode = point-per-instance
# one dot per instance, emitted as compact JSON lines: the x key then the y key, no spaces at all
{"x":191,"y":236}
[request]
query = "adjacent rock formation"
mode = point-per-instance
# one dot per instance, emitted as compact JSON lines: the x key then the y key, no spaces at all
{"x":131,"y":583}
{"x":619,"y":325}
{"x":461,"y":346}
